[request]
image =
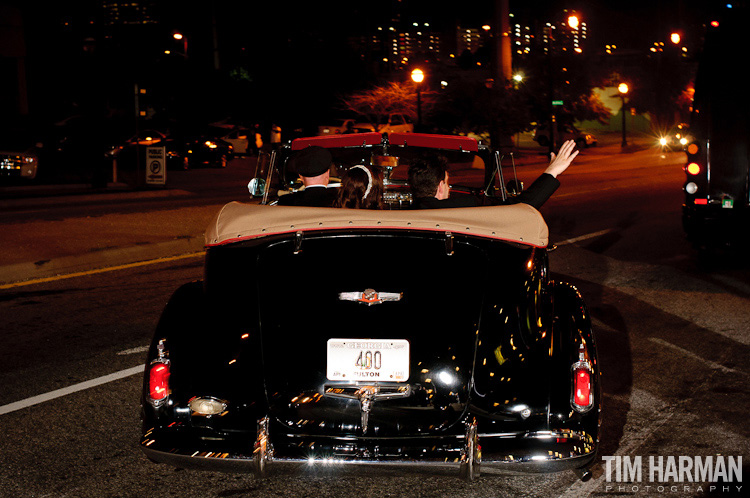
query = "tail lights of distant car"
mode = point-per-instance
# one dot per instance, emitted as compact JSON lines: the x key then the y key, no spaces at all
{"x":697,"y":175}
{"x":158,"y":382}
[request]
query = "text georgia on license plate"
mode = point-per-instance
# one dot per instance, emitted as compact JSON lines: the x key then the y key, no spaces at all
{"x":374,"y":360}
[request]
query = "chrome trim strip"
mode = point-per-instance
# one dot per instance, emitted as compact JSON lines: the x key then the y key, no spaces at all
{"x":370,"y":296}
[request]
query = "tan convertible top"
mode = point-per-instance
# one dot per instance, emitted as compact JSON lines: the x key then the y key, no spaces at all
{"x":517,"y":223}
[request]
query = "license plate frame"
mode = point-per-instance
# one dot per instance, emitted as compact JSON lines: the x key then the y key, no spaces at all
{"x":368,"y":360}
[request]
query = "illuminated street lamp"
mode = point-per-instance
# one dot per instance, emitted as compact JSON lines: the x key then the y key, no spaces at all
{"x":573,"y":21}
{"x":623,"y":89}
{"x":181,"y":37}
{"x":417,"y":76}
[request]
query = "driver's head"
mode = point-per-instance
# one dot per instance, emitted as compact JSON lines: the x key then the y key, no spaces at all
{"x":428,"y":176}
{"x":312,"y":164}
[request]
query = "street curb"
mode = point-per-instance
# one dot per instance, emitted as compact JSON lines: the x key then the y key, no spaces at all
{"x":95,"y":260}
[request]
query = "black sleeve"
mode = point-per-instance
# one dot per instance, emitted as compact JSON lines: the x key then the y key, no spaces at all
{"x":538,"y":192}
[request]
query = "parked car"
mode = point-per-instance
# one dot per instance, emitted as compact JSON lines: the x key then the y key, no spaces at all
{"x":206,"y":150}
{"x":183,"y":150}
{"x":18,"y":164}
{"x":567,"y":132}
{"x":337,"y":127}
{"x":393,"y":123}
{"x":257,"y":366}
{"x":125,"y":152}
{"x":241,"y":140}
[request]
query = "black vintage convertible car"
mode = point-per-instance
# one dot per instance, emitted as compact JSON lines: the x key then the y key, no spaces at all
{"x":422,"y":337}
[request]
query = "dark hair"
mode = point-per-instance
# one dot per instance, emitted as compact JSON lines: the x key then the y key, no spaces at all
{"x":426,"y":173}
{"x":353,"y":187}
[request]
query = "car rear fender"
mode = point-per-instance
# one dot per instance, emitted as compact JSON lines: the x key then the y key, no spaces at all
{"x":201,"y":347}
{"x":575,"y":346}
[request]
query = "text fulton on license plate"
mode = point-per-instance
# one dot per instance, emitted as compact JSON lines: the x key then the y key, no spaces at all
{"x":385,"y":360}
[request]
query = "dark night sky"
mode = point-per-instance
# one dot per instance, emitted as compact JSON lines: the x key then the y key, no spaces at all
{"x":309,"y":38}
{"x":630,"y":23}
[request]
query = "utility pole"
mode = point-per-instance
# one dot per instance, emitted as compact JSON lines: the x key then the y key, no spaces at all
{"x":503,"y":67}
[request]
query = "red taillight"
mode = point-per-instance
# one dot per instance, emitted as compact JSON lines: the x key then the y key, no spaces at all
{"x":583,"y":397}
{"x":693,"y":168}
{"x":701,"y":202}
{"x":158,"y":381}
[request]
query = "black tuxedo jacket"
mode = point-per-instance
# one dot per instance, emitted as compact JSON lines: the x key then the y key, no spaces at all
{"x":536,"y":195}
{"x":310,"y":196}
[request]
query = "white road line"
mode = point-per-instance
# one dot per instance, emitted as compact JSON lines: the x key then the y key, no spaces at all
{"x":689,"y":354}
{"x":35,"y":400}
{"x":583,"y":237}
{"x":139,"y":349}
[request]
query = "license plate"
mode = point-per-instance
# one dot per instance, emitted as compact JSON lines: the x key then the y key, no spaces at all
{"x":384,"y":360}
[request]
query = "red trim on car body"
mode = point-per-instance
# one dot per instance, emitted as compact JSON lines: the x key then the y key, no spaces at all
{"x":451,"y":142}
{"x":448,"y":142}
{"x":331,"y":141}
{"x":374,"y":227}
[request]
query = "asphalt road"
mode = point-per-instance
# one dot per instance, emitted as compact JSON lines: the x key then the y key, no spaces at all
{"x":672,"y":332}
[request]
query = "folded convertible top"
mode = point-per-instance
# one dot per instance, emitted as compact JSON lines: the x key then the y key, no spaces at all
{"x":516,"y":223}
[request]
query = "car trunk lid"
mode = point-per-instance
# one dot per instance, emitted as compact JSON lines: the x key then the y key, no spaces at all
{"x":404,"y":314}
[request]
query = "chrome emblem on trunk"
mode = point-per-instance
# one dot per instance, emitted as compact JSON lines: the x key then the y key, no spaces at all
{"x":370,"y":296}
{"x":367,"y":395}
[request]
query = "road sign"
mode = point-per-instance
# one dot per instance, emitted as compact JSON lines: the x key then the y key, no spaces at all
{"x":156,"y":166}
{"x":557,"y":102}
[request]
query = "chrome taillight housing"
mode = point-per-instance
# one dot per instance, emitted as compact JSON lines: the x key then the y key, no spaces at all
{"x":582,"y":383}
{"x":582,"y":398}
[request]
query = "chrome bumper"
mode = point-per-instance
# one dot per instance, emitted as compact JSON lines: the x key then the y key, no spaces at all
{"x":497,"y":453}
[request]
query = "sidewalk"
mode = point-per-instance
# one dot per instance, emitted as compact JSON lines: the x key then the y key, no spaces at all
{"x":51,"y":247}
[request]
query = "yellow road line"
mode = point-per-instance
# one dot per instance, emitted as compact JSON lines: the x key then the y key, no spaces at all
{"x":101,"y":270}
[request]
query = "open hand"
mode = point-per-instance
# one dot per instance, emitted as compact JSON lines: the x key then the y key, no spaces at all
{"x":560,"y":162}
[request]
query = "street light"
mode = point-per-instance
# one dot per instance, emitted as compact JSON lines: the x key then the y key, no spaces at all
{"x":181,"y":37}
{"x":417,"y":76}
{"x":623,"y":89}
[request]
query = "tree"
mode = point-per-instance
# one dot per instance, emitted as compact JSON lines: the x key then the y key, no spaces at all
{"x":377,"y":103}
{"x":471,"y":103}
